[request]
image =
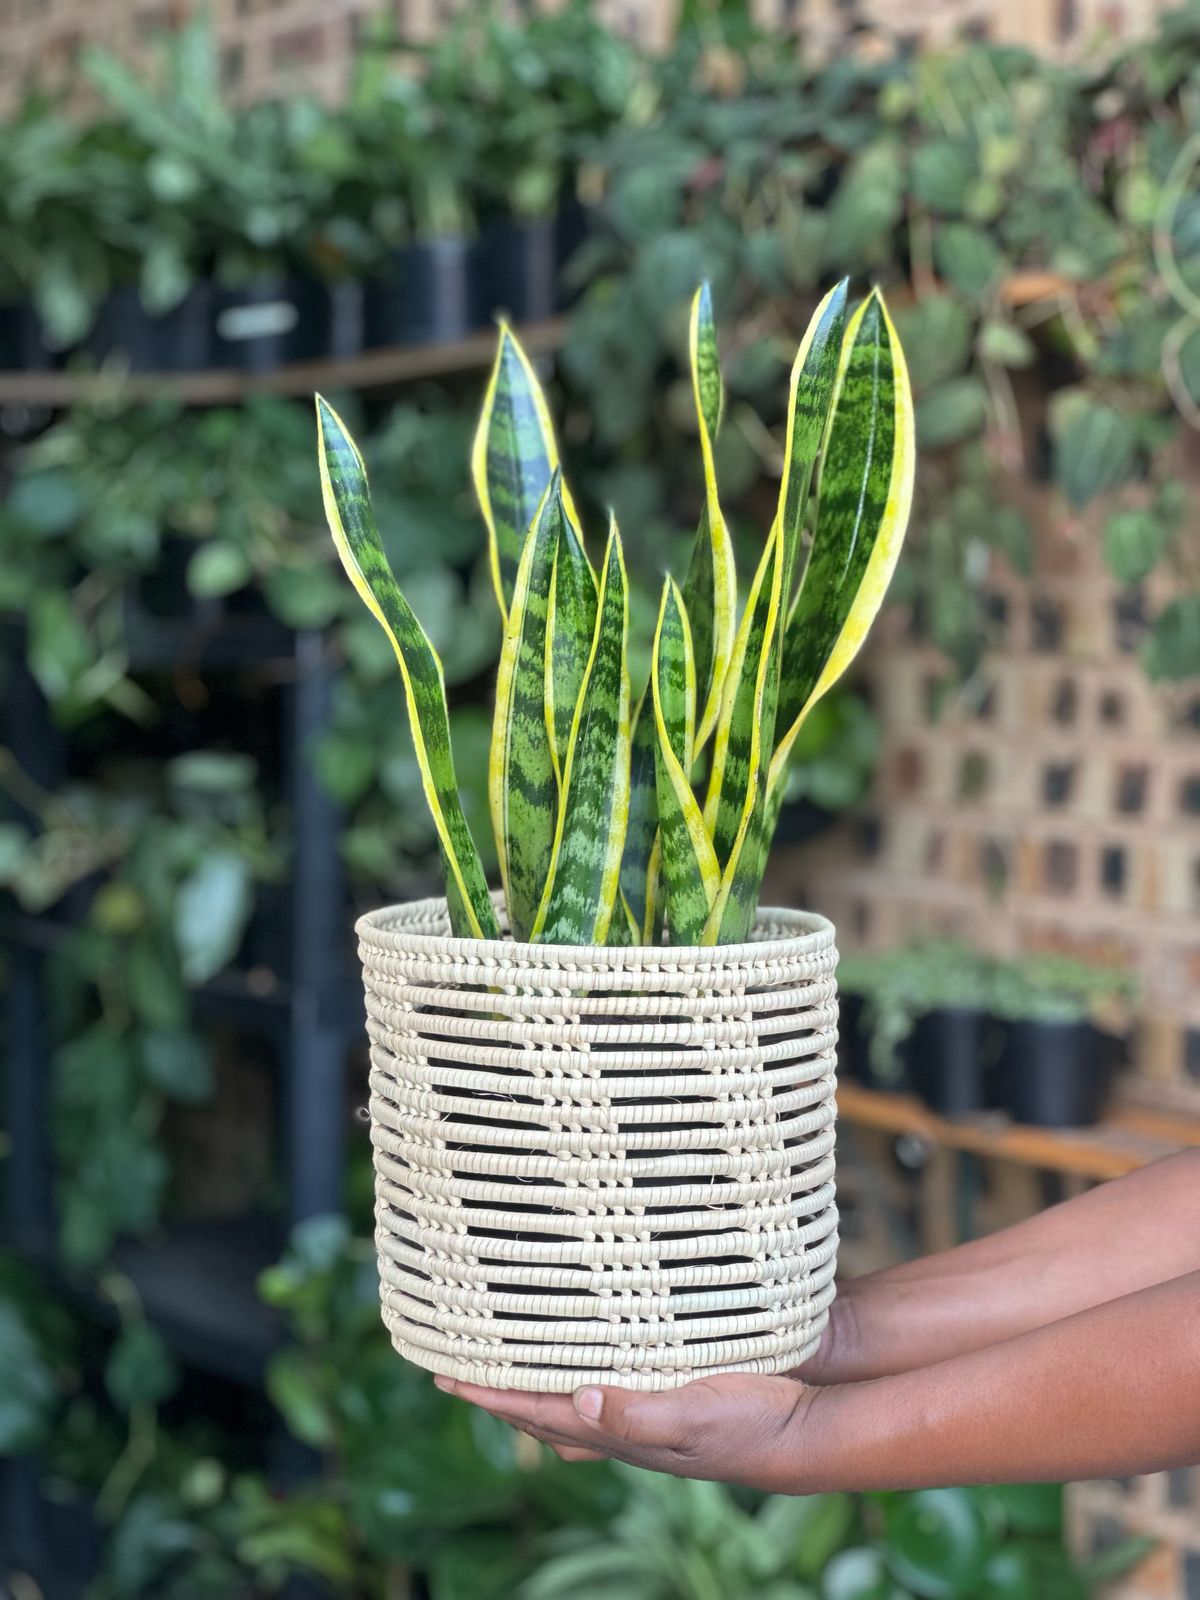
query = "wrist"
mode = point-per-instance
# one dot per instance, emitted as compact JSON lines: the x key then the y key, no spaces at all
{"x":804,"y":1460}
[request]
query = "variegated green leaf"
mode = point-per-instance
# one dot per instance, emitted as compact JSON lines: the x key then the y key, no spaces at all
{"x":738,"y":729}
{"x":746,"y":738}
{"x":581,"y":893}
{"x":522,"y":779}
{"x":865,"y":498}
{"x":636,"y":878}
{"x":513,"y":458}
{"x":623,"y":930}
{"x":347,"y":501}
{"x":814,"y":375}
{"x":689,"y":864}
{"x":570,"y":628}
{"x":710,"y":587}
{"x":709,"y":591}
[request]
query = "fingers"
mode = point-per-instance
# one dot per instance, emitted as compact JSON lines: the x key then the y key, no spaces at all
{"x":738,"y":1427}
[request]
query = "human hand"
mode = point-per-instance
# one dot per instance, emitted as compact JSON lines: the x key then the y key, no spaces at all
{"x":736,"y":1428}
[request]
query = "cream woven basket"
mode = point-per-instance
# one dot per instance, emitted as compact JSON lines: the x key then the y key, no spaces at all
{"x":598,"y":1165}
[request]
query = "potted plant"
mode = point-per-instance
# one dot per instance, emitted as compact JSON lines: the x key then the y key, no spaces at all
{"x":924,"y":1023}
{"x":602,"y":1100}
{"x":208,"y":213}
{"x":420,"y":137}
{"x":1060,"y":1016}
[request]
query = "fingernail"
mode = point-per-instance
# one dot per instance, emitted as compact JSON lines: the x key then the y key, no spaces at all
{"x":446,"y":1385}
{"x":588,"y":1403}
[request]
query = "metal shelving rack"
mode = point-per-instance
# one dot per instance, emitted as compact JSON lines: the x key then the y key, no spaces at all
{"x":197,"y":1281}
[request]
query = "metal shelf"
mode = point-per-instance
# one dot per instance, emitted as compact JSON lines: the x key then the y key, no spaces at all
{"x":373,"y":369}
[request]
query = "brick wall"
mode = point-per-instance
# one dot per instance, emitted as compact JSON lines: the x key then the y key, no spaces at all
{"x":275,"y":45}
{"x":1054,"y":806}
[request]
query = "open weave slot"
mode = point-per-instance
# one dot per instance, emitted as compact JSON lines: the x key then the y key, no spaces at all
{"x":602,"y":1165}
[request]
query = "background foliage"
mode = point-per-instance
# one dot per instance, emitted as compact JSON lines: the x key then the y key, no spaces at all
{"x":1038,"y":228}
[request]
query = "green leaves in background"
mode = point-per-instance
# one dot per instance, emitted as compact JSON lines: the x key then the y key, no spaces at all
{"x":1095,"y":446}
{"x":348,"y":509}
{"x":581,"y":889}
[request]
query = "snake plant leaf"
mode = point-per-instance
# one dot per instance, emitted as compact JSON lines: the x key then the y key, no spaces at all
{"x":710,"y":586}
{"x":710,"y":599}
{"x":746,"y":737}
{"x":814,"y":377}
{"x":581,"y":891}
{"x":733,"y":766}
{"x":623,"y":930}
{"x":522,"y":776}
{"x":689,"y":863}
{"x":569,"y":630}
{"x":639,"y":866}
{"x":513,"y":459}
{"x":865,"y":498}
{"x":346,"y":496}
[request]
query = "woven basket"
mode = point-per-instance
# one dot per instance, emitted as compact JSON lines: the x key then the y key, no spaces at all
{"x":599,"y":1165}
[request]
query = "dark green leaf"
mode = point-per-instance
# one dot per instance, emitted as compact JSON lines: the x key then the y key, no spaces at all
{"x":140,"y":1370}
{"x":1172,"y":651}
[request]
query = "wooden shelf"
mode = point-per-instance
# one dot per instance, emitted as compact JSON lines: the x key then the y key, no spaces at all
{"x":374,"y":369}
{"x":1127,"y":1139}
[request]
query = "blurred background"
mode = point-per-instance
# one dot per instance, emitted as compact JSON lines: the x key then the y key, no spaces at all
{"x":205,"y":769}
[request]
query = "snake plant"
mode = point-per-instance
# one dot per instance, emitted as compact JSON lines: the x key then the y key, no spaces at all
{"x":631,"y":820}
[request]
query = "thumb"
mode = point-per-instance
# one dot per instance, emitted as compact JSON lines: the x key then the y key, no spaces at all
{"x":670,"y":1418}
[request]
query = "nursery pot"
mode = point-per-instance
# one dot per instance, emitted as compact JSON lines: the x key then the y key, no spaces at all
{"x":516,"y":267}
{"x":854,"y":1050}
{"x":180,"y":340}
{"x":1056,"y":1073}
{"x":22,"y":345}
{"x":601,"y":1165}
{"x":273,"y":322}
{"x":947,"y":1058}
{"x":426,"y":298}
{"x":571,"y":227}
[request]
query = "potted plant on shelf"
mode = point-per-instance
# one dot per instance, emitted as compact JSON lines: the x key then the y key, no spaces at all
{"x":420,"y":138}
{"x":922,"y":1023}
{"x":501,"y":73}
{"x":602,"y":1101}
{"x":1060,"y":1018}
{"x":210,"y":215}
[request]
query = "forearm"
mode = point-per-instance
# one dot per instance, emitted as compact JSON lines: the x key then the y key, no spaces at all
{"x":1111,"y":1391}
{"x":1055,"y":1264}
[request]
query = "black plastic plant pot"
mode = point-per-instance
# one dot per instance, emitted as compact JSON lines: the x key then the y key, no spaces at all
{"x":1056,"y":1073}
{"x":948,"y":1061}
{"x":854,"y":1050}
{"x":22,"y":346}
{"x":179,"y":340}
{"x":802,"y":819}
{"x":272,"y":323}
{"x":516,"y":270}
{"x":571,"y":227}
{"x":427,"y":298}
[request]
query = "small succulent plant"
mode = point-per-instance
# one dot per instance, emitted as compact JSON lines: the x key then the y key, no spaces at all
{"x":633,"y":820}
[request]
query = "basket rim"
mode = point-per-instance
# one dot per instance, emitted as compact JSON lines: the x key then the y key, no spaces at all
{"x":384,"y":927}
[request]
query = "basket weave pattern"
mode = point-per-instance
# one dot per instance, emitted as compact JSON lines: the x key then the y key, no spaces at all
{"x":602,"y":1165}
